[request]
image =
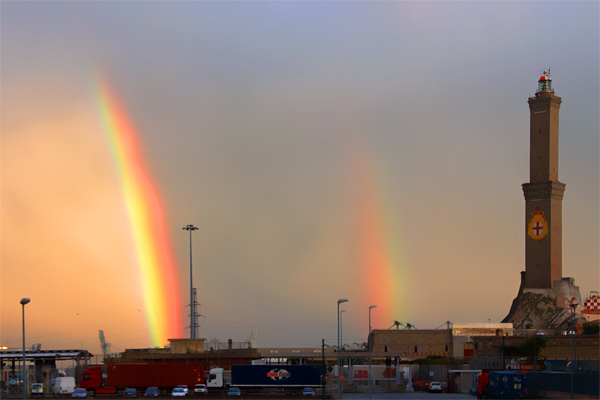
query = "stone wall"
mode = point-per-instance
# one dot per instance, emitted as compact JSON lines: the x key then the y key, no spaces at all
{"x":538,"y":310}
{"x":415,"y":343}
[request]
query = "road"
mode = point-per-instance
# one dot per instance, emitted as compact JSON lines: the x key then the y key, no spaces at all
{"x":347,"y":396}
{"x":413,"y":395}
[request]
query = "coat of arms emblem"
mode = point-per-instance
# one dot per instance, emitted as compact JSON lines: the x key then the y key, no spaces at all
{"x":538,"y":227}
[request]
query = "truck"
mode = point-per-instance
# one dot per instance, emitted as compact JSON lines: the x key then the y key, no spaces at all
{"x":500,"y":385}
{"x":116,"y":377}
{"x":64,"y":386}
{"x":250,"y":379}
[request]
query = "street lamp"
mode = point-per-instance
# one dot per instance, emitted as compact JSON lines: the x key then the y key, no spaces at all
{"x":192,"y":308}
{"x":370,"y":346}
{"x":535,"y":349}
{"x":24,"y":301}
{"x":573,"y":305}
{"x":342,"y":334}
{"x":340,"y":301}
{"x":503,"y":353}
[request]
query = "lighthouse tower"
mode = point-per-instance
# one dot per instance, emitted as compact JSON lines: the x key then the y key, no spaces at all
{"x":543,"y":193}
{"x":544,"y":295}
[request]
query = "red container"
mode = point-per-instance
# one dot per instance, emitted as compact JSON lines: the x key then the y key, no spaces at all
{"x":163,"y":376}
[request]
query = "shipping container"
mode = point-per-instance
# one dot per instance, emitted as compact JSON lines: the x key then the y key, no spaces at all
{"x":265,"y":379}
{"x":505,"y":384}
{"x":276,"y":375}
{"x":141,"y":376}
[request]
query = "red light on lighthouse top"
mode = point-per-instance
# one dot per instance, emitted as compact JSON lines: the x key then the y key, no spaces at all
{"x":545,"y":83}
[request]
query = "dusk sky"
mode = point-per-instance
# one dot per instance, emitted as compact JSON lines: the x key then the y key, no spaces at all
{"x":372,"y":151}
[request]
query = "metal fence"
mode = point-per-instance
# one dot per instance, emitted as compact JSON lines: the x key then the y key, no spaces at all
{"x":356,"y":379}
{"x":536,"y":383}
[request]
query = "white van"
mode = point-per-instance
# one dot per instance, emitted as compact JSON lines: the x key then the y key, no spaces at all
{"x":64,"y":385}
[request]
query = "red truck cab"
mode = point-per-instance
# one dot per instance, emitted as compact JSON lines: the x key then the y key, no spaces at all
{"x":93,"y":380}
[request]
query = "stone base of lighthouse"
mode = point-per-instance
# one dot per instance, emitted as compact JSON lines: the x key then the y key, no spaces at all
{"x":543,"y":308}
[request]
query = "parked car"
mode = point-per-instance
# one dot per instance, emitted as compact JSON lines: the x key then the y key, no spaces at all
{"x":79,"y":392}
{"x":234,"y":392}
{"x":37,"y":389}
{"x":130,"y":392}
{"x":435,"y":387}
{"x":200,"y":389}
{"x":308,"y":392}
{"x":184,"y":387}
{"x":178,"y":392}
{"x":152,"y":391}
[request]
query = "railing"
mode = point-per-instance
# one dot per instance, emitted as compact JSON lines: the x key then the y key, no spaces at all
{"x":216,"y":345}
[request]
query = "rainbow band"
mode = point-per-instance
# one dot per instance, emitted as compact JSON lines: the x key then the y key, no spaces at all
{"x":160,"y":287}
{"x":379,"y":245}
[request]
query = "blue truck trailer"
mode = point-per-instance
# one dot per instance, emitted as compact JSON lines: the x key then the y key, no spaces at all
{"x":289,"y":379}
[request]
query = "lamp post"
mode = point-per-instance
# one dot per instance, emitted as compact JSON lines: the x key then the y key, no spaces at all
{"x":342,"y":335}
{"x":192,"y":308}
{"x":340,"y":301}
{"x":535,"y":350}
{"x":370,"y":346}
{"x":503,"y":354}
{"x":24,"y":301}
{"x":573,"y":305}
{"x":324,"y":370}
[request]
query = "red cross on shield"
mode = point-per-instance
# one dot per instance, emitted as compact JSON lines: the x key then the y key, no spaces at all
{"x":538,"y":228}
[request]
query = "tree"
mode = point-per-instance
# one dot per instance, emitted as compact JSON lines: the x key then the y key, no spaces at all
{"x":532,"y":347}
{"x":591,"y":328}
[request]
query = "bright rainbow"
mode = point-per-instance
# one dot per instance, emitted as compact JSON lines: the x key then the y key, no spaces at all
{"x":379,"y":245}
{"x":160,"y":288}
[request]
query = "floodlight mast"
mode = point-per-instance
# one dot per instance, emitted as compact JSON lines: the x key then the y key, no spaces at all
{"x":193,"y":319}
{"x":340,"y":391}
{"x":24,"y":300}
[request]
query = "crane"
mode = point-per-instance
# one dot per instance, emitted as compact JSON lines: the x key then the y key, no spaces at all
{"x":448,"y":323}
{"x":252,"y":340}
{"x":407,"y":326}
{"x":104,"y":346}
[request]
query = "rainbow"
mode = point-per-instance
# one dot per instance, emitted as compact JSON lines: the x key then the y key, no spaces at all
{"x":159,"y":284}
{"x":378,"y":242}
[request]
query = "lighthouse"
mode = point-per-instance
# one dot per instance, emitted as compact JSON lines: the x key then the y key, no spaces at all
{"x":544,"y":192}
{"x":544,"y":295}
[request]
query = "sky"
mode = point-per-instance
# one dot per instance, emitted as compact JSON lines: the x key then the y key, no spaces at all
{"x":369,"y":151}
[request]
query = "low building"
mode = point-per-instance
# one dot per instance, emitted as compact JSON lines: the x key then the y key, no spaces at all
{"x":180,"y":346}
{"x":420,"y":343}
{"x":298,"y":355}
